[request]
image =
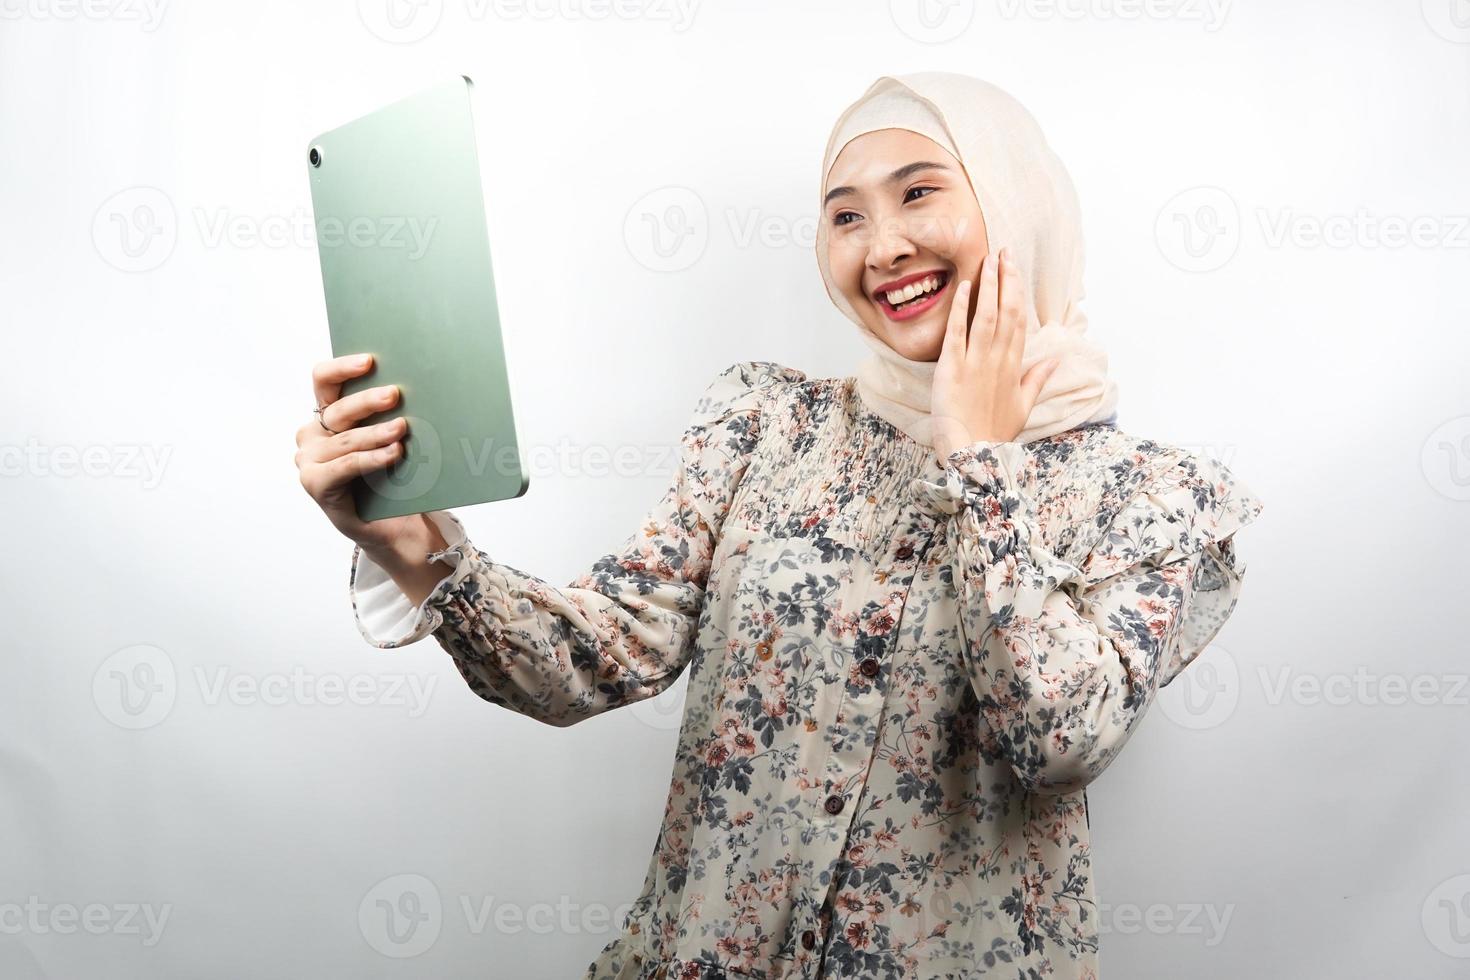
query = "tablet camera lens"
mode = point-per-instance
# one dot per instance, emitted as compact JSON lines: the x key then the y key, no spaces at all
{"x":315,"y":156}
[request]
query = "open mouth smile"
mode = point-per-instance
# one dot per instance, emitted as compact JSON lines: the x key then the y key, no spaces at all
{"x":906,"y":298}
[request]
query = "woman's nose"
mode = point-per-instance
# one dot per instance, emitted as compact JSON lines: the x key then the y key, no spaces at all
{"x":889,"y":243}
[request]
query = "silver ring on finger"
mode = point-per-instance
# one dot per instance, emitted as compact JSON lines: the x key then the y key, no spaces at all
{"x":322,"y":422}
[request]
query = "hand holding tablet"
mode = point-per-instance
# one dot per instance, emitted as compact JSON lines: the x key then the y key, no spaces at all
{"x":406,"y":272}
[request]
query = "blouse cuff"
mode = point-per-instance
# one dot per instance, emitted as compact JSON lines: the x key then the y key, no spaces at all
{"x":995,"y":528}
{"x":385,"y":616}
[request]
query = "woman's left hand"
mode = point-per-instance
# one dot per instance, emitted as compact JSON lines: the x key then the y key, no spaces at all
{"x":978,"y":393}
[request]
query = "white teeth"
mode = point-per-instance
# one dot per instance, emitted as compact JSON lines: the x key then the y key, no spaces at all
{"x":897,"y":296}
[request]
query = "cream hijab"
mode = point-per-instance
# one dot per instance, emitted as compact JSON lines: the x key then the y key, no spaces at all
{"x":1028,"y":202}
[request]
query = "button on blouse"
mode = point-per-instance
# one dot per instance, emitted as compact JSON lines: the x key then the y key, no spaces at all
{"x":903,"y":672}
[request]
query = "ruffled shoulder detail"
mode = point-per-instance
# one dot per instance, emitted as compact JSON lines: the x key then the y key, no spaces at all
{"x":1193,"y":504}
{"x":742,"y":386}
{"x":1191,"y":507}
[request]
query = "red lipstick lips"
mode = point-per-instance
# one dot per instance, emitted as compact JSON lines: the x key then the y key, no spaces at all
{"x":916,"y":307}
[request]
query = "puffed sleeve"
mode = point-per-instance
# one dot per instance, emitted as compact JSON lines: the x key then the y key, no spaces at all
{"x":1065,"y":659}
{"x":619,"y":633}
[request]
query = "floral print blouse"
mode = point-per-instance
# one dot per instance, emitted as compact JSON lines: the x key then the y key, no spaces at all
{"x":903,"y":672}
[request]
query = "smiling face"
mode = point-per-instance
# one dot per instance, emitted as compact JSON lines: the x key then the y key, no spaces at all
{"x":903,"y":228}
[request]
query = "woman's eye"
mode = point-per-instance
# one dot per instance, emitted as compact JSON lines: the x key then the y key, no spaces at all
{"x":837,"y":220}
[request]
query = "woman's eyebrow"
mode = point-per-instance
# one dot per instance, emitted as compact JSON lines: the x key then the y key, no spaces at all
{"x":902,"y":173}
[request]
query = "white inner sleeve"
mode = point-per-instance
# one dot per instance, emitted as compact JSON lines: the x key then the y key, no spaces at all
{"x":384,"y":613}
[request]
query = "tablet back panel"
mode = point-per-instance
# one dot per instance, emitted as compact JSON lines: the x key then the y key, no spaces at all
{"x":405,"y":261}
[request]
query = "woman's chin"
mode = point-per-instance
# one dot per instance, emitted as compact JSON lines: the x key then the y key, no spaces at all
{"x":919,"y":339}
{"x":918,"y":343}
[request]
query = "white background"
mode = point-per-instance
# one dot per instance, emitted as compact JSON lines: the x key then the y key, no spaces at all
{"x":1294,"y":807}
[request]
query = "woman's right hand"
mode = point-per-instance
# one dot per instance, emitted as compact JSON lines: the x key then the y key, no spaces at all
{"x":329,"y":463}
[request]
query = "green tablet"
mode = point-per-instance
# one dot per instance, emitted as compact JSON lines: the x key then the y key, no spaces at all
{"x":405,"y":259}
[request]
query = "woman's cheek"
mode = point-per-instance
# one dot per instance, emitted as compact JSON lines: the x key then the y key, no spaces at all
{"x":940,"y":234}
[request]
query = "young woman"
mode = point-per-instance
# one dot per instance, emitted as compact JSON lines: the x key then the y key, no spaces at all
{"x":920,"y":609}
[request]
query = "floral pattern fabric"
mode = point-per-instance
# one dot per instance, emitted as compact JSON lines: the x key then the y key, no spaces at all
{"x":903,"y":672}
